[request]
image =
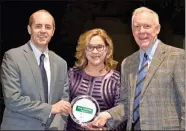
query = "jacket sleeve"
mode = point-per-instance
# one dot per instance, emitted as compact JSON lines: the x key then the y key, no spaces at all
{"x":119,"y":112}
{"x":179,"y":84}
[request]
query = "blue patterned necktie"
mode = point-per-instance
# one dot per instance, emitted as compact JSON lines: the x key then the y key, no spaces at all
{"x":139,"y":84}
{"x":44,"y":77}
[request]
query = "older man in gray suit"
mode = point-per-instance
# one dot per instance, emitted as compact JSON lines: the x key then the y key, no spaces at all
{"x":34,"y":81}
{"x":153,"y":81}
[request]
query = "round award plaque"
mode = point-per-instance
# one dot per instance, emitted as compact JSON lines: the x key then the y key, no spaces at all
{"x":84,"y":109}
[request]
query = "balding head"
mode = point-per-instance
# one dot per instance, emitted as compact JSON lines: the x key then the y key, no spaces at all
{"x":41,"y":29}
{"x":31,"y":19}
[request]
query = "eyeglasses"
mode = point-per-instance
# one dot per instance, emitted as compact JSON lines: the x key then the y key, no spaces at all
{"x":99,"y":48}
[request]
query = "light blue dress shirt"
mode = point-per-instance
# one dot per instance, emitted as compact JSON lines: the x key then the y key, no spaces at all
{"x":150,"y":52}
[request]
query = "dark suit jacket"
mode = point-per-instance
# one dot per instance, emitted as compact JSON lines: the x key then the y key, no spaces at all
{"x":162,"y":104}
{"x":23,"y":90}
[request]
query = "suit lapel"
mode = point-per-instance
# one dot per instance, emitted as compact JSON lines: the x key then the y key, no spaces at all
{"x":156,"y":61}
{"x":29,"y":55}
{"x":53,"y":72}
{"x":134,"y":72}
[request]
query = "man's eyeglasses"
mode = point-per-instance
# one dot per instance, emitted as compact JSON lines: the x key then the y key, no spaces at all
{"x":99,"y":48}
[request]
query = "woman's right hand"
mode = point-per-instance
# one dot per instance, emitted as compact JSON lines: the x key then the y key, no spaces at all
{"x":99,"y":122}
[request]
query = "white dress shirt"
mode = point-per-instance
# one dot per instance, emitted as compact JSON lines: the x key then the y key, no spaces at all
{"x":37,"y":54}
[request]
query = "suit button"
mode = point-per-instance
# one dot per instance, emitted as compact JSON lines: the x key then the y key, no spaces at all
{"x":142,"y":122}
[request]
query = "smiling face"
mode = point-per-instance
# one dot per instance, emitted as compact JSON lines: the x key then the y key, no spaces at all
{"x":96,"y":51}
{"x":42,"y":29}
{"x":145,"y":29}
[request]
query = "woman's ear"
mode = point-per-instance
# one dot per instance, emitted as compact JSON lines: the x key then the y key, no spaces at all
{"x":108,"y":52}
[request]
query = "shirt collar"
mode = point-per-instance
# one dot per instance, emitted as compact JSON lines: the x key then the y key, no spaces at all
{"x":150,"y":51}
{"x":37,"y":52}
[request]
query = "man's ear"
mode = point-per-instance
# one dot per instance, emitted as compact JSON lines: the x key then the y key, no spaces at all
{"x":158,"y":27}
{"x":29,"y":29}
{"x":53,"y":31}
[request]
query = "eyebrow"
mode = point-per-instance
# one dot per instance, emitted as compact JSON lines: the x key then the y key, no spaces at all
{"x":42,"y":24}
{"x":95,"y":44}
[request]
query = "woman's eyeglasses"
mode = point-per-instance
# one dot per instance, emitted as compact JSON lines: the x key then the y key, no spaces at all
{"x":99,"y":48}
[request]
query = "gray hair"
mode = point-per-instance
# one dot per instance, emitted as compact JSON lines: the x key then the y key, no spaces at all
{"x":145,"y":9}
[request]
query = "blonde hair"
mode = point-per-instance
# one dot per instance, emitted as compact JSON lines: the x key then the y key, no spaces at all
{"x":145,"y":9}
{"x":31,"y":19}
{"x":82,"y":42}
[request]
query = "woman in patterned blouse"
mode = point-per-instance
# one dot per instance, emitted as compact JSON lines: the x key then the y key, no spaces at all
{"x":94,"y":72}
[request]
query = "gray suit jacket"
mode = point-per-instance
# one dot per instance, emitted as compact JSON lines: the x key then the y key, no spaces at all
{"x":23,"y":90}
{"x":162,"y":104}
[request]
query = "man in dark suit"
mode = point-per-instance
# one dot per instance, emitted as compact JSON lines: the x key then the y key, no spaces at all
{"x":153,"y":81}
{"x":34,"y":81}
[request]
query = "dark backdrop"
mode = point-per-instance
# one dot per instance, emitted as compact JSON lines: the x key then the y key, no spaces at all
{"x":73,"y":17}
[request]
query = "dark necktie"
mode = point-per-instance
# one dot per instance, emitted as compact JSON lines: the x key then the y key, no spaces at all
{"x":139,"y":84}
{"x":44,"y":77}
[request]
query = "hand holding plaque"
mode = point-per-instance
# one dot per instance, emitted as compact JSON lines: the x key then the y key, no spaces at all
{"x":84,"y":109}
